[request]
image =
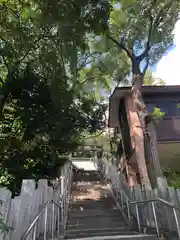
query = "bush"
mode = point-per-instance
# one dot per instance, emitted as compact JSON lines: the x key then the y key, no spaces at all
{"x":173,"y":178}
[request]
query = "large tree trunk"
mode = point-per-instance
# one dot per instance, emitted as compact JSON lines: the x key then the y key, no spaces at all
{"x":151,"y":156}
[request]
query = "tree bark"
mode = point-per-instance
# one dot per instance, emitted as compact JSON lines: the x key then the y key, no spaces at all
{"x":152,"y":140}
{"x":148,"y":129}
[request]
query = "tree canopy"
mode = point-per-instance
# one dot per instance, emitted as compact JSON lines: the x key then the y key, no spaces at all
{"x":45,"y":101}
{"x":144,"y":28}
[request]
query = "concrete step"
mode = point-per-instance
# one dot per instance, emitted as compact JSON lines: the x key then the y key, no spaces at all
{"x":94,"y":204}
{"x":98,"y":233}
{"x":96,"y":224}
{"x":101,"y":230}
{"x":95,"y":214}
{"x":111,"y":219}
{"x":115,"y":237}
{"x":87,"y":201}
{"x":119,"y":237}
{"x":92,"y":219}
{"x":88,"y":204}
{"x":104,"y":232}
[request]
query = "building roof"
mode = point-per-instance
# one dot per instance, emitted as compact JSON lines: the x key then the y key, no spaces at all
{"x":120,"y":92}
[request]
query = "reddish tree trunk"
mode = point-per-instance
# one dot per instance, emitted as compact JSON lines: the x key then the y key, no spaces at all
{"x":148,"y":131}
{"x":139,"y":138}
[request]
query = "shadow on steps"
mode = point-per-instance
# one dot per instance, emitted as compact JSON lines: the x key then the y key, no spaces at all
{"x":93,"y":211}
{"x":80,"y":175}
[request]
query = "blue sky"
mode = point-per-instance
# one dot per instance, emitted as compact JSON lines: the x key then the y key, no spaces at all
{"x":168,"y":68}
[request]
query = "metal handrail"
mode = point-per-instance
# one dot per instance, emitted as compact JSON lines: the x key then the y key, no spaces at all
{"x":34,"y":222}
{"x":125,"y":200}
{"x":156,"y":200}
{"x":48,"y":221}
{"x":152,"y":200}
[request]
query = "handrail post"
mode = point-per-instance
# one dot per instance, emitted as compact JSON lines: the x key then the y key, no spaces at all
{"x":58,"y":219}
{"x":128,"y":211}
{"x":155,"y":218}
{"x":45,"y":223}
{"x":53,"y":213}
{"x":177,"y":223}
{"x":34,"y":232}
{"x":138,"y":219}
{"x":122,"y":205}
{"x":62,"y":200}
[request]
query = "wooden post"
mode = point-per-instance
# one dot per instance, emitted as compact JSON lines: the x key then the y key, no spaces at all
{"x":5,"y":201}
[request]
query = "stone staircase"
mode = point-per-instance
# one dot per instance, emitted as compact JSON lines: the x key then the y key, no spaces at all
{"x":93,"y":212}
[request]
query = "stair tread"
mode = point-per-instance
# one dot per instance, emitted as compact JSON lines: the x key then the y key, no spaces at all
{"x":96,"y":219}
{"x":87,"y":201}
{"x":99,"y":229}
{"x":111,"y":219}
{"x":103,"y":205}
{"x":94,"y":212}
{"x":96,"y":224}
{"x":93,"y":205}
{"x":91,"y":217}
{"x":101,"y":233}
{"x":118,"y":237}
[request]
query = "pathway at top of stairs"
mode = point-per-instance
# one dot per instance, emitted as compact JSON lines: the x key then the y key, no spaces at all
{"x":93,"y":213}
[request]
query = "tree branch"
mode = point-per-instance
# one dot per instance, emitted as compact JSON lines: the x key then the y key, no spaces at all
{"x":121,"y":46}
{"x":86,"y":58}
{"x":151,"y":30}
{"x":33,"y":45}
{"x":28,"y":51}
{"x":146,"y":66}
{"x":105,"y":66}
{"x":87,"y":79}
{"x":162,"y":13}
{"x":148,"y":47}
{"x":62,"y":58}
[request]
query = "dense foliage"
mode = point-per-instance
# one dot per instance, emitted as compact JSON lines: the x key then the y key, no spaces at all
{"x":173,"y":177}
{"x":35,"y":132}
{"x":45,"y":100}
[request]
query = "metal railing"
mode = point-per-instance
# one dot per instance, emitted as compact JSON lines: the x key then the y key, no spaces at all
{"x":153,"y":213}
{"x":154,"y":206}
{"x":65,"y":191}
{"x":52,"y":218}
{"x":47,"y":223}
{"x":148,"y":214}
